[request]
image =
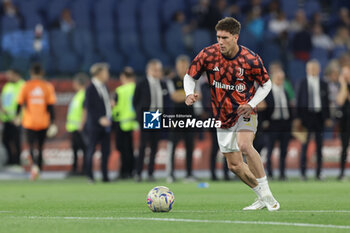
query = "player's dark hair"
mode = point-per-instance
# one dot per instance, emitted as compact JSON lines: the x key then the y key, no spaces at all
{"x":37,"y":69}
{"x":230,"y":25}
{"x":81,"y":78}
{"x":128,"y":72}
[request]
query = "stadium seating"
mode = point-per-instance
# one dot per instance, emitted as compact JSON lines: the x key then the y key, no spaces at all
{"x":247,"y":39}
{"x":54,"y":9}
{"x":311,"y":7}
{"x":149,"y":16}
{"x":107,"y":49}
{"x":271,"y":52}
{"x":30,"y":12}
{"x":201,"y":39}
{"x":296,"y":71}
{"x":132,"y":31}
{"x":130,"y":47}
{"x":81,"y":12}
{"x":173,"y":42}
{"x":64,"y":58}
{"x":289,"y":8}
{"x":103,"y":15}
{"x":127,"y":16}
{"x":82,"y":44}
{"x":9,"y":23}
{"x":169,"y":7}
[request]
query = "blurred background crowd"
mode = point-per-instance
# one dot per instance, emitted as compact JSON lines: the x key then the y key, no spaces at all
{"x":297,"y":39}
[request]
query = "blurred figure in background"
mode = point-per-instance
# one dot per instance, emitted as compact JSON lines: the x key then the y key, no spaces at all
{"x":320,"y":39}
{"x":342,"y":38}
{"x":208,"y":113}
{"x":76,"y":118}
{"x":279,"y":117}
{"x":11,"y":134}
{"x":343,"y":100}
{"x":332,"y":78}
{"x":313,"y":112}
{"x":99,"y":115}
{"x":37,"y":97}
{"x":205,"y":15}
{"x":66,"y":22}
{"x":178,"y":96}
{"x":302,"y":45}
{"x":124,"y":117}
{"x":150,"y":95}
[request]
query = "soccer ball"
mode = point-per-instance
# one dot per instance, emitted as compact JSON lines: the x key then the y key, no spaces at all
{"x":160,"y":199}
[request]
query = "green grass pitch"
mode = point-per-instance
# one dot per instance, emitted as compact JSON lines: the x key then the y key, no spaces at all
{"x":74,"y":205}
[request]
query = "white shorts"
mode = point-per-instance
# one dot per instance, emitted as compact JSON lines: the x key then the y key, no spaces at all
{"x":227,"y":138}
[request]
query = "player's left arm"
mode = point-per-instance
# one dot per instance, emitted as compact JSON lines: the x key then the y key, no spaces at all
{"x":260,"y":75}
{"x":50,"y":101}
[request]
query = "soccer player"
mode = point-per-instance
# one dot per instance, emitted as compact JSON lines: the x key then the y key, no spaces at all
{"x":239,"y":82}
{"x":11,"y":132}
{"x":37,"y":98}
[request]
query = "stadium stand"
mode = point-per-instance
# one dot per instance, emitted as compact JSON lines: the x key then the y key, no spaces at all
{"x":130,"y":32}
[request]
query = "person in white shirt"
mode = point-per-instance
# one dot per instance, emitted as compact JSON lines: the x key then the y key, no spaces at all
{"x":278,"y":115}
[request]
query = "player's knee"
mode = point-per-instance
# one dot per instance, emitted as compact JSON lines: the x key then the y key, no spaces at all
{"x":235,"y":167}
{"x":244,"y":146}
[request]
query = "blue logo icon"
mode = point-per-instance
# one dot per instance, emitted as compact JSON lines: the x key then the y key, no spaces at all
{"x":151,"y":120}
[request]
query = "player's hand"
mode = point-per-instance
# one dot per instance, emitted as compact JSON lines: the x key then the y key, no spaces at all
{"x":190,"y":99}
{"x":244,"y":110}
{"x":104,"y":122}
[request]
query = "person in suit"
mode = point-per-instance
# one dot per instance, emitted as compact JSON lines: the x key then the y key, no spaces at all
{"x":313,"y":112}
{"x":278,"y":116}
{"x":151,"y":94}
{"x":99,"y":114}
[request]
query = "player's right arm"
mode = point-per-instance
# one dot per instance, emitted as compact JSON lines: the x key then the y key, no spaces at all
{"x":194,"y":72}
{"x":189,"y":86}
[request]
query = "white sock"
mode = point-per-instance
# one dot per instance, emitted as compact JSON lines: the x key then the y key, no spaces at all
{"x":257,"y":191}
{"x":264,"y":187}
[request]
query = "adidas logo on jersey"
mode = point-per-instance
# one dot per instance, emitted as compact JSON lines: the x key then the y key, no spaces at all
{"x":216,"y":69}
{"x":37,"y":92}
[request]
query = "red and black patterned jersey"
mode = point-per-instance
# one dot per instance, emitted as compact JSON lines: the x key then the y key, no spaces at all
{"x":233,"y":81}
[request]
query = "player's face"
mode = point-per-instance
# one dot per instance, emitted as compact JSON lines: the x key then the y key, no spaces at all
{"x":227,"y":41}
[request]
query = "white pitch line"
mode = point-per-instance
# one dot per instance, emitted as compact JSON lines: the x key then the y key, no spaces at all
{"x":242,"y":211}
{"x":199,"y":221}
